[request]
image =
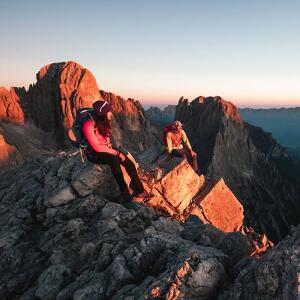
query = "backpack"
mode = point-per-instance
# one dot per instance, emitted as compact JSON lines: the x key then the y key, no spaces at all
{"x":75,"y":133}
{"x":166,"y":129}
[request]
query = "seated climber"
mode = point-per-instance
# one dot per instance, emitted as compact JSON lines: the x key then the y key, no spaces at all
{"x":174,"y":135}
{"x":97,"y":131}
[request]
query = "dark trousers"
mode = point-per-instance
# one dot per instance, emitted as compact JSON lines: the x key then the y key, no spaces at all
{"x":186,"y":155}
{"x":115,"y":164}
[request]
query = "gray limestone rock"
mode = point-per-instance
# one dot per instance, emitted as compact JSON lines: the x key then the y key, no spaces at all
{"x":51,"y":281}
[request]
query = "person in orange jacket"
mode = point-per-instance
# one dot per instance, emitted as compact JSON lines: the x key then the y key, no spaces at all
{"x":174,"y":138}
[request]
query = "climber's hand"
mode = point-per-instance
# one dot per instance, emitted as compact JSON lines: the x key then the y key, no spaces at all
{"x":193,"y":153}
{"x":122,"y":156}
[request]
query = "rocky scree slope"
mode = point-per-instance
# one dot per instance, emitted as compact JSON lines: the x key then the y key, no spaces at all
{"x":61,"y":238}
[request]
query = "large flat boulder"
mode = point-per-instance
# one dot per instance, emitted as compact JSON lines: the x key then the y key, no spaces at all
{"x":218,"y":206}
{"x":175,"y":183}
{"x":180,"y":185}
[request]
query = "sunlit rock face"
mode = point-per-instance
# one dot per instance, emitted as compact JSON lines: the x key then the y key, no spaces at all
{"x":10,"y":108}
{"x":184,"y":192}
{"x":253,"y":165}
{"x":61,"y":89}
{"x":174,"y":182}
{"x":217,"y":205}
{"x":181,"y":193}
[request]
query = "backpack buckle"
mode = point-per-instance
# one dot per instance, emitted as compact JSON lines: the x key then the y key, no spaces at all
{"x":82,"y":149}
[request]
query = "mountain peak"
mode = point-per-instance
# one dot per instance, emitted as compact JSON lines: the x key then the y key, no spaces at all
{"x":213,"y":105}
{"x":229,"y":109}
{"x":51,"y":70}
{"x":199,"y":99}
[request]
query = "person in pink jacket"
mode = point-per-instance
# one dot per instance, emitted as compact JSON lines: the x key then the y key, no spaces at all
{"x":100,"y":151}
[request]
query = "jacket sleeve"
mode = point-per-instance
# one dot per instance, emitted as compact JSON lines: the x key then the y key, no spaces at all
{"x":94,"y":141}
{"x":169,"y":142}
{"x":186,"y":141}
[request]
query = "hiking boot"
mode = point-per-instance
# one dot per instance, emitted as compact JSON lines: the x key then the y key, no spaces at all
{"x":122,"y":198}
{"x":143,"y":194}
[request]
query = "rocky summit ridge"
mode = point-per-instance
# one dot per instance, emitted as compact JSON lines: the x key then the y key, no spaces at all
{"x":61,"y":238}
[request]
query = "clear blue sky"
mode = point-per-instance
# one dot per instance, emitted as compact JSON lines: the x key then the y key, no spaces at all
{"x":155,"y":51}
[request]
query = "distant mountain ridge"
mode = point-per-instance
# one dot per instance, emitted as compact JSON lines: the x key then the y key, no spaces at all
{"x":283,"y":123}
{"x":161,"y":116}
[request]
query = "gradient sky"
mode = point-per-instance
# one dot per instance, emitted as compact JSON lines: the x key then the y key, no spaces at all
{"x":248,"y":52}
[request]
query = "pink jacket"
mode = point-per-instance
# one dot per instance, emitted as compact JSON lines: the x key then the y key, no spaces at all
{"x":96,"y":140}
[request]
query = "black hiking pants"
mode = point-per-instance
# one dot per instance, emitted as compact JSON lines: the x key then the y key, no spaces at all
{"x":115,"y":164}
{"x":186,"y":155}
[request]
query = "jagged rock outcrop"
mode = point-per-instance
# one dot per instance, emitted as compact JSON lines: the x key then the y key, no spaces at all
{"x":10,"y":107}
{"x":274,"y":276}
{"x":61,"y":89}
{"x":229,"y":148}
{"x":213,"y":203}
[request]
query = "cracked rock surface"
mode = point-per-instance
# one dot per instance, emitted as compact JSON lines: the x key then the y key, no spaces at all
{"x":60,"y":238}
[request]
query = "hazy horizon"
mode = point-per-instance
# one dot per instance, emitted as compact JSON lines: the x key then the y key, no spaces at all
{"x":246,"y":52}
{"x":163,"y":105}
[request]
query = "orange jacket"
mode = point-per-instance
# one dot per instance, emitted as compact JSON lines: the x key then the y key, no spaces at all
{"x":174,"y":140}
